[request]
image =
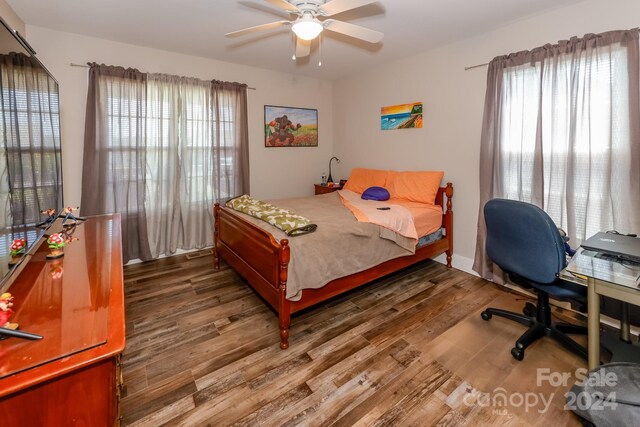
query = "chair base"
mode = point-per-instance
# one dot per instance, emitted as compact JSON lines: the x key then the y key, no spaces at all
{"x":539,"y":326}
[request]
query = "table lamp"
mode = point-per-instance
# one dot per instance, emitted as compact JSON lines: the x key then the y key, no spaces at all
{"x":330,"y":178}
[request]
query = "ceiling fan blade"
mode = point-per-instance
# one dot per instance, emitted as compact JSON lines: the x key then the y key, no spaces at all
{"x":257,"y":28}
{"x":352,"y":30}
{"x":283,"y":14}
{"x":282,"y":4}
{"x":337,"y":6}
{"x":303,"y":47}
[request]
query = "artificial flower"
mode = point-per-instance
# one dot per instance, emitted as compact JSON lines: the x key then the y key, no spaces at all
{"x":18,"y":246}
{"x":56,"y":241}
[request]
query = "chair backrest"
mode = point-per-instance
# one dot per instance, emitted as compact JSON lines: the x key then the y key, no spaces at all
{"x":523,"y":239}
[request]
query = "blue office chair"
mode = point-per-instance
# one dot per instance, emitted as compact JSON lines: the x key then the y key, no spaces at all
{"x":525,"y":243}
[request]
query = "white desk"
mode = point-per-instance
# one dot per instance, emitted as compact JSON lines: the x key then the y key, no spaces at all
{"x":611,"y":278}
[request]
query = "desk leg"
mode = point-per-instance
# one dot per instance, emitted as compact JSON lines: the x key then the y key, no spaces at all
{"x":593,"y":302}
{"x":625,"y":333}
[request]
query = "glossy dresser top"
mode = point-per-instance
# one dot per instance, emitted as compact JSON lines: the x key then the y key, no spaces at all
{"x":74,"y":302}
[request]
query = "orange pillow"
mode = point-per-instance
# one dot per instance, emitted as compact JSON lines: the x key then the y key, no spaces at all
{"x":361,"y":179}
{"x":419,"y":187}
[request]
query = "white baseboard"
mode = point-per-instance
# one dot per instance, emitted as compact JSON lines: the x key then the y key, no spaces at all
{"x":178,"y":252}
{"x":459,"y":262}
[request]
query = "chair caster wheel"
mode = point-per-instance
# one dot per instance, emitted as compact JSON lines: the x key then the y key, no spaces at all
{"x":485,"y":315}
{"x":529,"y":310}
{"x":517,"y":353}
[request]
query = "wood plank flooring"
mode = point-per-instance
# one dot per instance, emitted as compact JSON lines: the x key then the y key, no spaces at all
{"x":410,"y":349}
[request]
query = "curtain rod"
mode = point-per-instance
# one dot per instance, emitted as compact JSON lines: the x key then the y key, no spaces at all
{"x":86,"y":66}
{"x":471,"y":67}
{"x":476,"y":66}
{"x":486,"y":63}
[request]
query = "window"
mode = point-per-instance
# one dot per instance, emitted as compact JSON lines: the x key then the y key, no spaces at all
{"x":176,"y":131}
{"x":567,"y":119}
{"x":161,"y":150}
{"x":561,"y":130}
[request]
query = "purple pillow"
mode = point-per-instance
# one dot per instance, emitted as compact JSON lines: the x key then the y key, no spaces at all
{"x":376,"y":193}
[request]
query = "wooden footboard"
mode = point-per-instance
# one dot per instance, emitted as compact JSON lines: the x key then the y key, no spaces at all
{"x":256,"y":256}
{"x":263,"y":261}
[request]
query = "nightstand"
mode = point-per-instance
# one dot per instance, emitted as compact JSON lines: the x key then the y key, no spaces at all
{"x":323,"y":189}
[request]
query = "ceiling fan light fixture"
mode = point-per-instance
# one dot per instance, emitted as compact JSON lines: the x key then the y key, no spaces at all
{"x":307,"y":29}
{"x":309,"y":18}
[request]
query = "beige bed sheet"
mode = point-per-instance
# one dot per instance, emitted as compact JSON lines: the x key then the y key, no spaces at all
{"x":339,"y":247}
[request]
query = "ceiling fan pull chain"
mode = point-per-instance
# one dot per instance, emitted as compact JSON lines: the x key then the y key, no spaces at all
{"x":320,"y":50}
{"x":293,"y":43}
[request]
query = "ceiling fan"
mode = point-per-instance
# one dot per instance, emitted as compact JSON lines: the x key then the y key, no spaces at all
{"x":310,"y":20}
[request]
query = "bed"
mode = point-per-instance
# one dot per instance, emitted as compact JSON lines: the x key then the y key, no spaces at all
{"x":262,"y":257}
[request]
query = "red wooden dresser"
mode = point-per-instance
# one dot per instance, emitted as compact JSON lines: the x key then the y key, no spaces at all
{"x":72,"y":376}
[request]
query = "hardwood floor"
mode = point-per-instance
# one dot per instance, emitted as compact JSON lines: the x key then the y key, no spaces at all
{"x":410,"y":349}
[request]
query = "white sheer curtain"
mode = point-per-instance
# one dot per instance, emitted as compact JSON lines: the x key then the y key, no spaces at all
{"x":160,"y":150}
{"x":180,"y":164}
{"x":584,"y":116}
{"x":561,"y":131}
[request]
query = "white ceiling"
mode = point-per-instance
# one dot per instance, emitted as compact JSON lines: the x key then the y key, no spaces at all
{"x":197,"y":27}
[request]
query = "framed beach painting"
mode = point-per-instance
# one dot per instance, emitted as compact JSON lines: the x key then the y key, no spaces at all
{"x":290,"y":126}
{"x":403,"y":116}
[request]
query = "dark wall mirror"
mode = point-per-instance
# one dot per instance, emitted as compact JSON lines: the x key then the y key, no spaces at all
{"x":30,"y":153}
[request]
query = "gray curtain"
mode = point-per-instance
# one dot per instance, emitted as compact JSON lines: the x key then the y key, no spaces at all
{"x":188,"y":145}
{"x":231,"y":151}
{"x":31,"y":177}
{"x":115,"y":150}
{"x":561,"y":130}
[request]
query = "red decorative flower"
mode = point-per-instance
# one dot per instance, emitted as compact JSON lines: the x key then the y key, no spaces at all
{"x":18,"y":246}
{"x":56,"y":241}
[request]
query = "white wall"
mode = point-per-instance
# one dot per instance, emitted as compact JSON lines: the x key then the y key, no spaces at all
{"x":349,"y":108}
{"x":453,"y":104}
{"x":11,"y":18}
{"x":275,"y":172}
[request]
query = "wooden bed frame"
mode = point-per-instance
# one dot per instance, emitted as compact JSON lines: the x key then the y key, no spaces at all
{"x":263,"y":261}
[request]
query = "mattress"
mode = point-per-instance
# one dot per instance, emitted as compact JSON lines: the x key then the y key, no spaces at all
{"x":427,"y":218}
{"x":431,"y":237}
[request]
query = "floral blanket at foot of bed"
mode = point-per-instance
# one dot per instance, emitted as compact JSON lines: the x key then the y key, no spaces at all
{"x":285,"y":220}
